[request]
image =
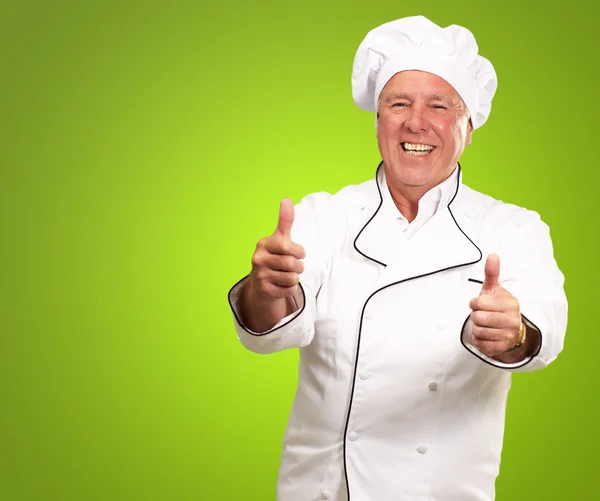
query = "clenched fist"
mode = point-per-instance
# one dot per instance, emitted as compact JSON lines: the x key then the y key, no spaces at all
{"x":276,"y":269}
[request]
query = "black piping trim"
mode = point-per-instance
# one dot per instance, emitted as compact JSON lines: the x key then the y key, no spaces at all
{"x":494,"y":365}
{"x":237,"y":319}
{"x":383,"y":288}
{"x":371,"y":219}
{"x":476,"y":281}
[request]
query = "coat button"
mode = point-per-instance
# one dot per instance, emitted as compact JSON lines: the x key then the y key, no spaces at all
{"x":352,"y":436}
{"x":363,"y":374}
{"x":421,"y":449}
{"x":433,"y":386}
{"x":325,"y":495}
{"x":368,"y":315}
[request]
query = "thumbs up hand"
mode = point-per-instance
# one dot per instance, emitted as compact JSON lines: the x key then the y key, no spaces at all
{"x":276,"y":264}
{"x":276,"y":269}
{"x":496,"y":314}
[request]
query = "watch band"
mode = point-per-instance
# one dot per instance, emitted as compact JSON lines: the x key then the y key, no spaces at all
{"x":521,"y":336}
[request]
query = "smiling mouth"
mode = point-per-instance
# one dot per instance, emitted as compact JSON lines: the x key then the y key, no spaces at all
{"x":418,"y":150}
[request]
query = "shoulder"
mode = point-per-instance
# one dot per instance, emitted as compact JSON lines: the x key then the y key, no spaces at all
{"x":329,"y":217}
{"x":494,"y":214}
{"x":354,"y":196}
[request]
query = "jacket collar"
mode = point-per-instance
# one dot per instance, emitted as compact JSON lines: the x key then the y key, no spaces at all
{"x":439,"y":245}
{"x":436,"y":199}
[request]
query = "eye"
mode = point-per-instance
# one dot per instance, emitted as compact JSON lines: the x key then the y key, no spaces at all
{"x":439,"y":107}
{"x":399,"y":105}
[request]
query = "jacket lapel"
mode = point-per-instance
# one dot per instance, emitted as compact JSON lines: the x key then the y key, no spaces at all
{"x":439,"y":245}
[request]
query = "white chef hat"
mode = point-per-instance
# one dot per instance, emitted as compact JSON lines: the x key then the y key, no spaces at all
{"x":416,"y":43}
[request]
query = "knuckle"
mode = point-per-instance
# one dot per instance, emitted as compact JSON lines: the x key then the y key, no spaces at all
{"x":284,"y":246}
{"x":256,"y":260}
{"x":288,"y":280}
{"x":262,"y":243}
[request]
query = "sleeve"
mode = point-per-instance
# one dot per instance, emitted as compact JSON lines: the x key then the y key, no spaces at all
{"x":529,"y":272}
{"x":295,"y":330}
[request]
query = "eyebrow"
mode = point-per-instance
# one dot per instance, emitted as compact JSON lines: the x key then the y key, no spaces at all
{"x":430,"y":97}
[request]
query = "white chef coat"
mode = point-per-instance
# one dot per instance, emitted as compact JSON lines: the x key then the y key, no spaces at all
{"x":393,"y":403}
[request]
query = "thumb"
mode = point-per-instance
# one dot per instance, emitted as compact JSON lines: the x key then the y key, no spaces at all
{"x":492,"y":273}
{"x":286,"y":219}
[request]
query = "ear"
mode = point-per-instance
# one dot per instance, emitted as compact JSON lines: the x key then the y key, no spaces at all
{"x":469,"y":132}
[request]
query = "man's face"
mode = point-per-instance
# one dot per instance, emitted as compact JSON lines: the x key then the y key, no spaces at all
{"x":422,"y":129}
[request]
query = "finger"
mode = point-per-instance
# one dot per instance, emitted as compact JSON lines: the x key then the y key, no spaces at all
{"x":492,"y":275}
{"x":283,"y":278}
{"x":493,"y":319}
{"x":496,"y":302}
{"x":271,"y":290}
{"x":284,"y":247}
{"x":286,"y":219}
{"x":489,"y":348}
{"x":287,"y":263}
{"x":488,"y":333}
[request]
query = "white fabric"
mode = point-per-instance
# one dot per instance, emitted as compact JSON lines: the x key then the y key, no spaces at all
{"x":416,"y":43}
{"x":430,"y":203}
{"x":426,"y":416}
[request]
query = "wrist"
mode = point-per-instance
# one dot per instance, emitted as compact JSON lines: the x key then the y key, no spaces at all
{"x":521,"y":337}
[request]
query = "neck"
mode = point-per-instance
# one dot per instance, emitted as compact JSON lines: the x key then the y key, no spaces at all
{"x":406,"y":198}
{"x":407,"y":201}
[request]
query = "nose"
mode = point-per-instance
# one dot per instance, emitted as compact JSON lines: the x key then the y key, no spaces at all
{"x":416,"y":119}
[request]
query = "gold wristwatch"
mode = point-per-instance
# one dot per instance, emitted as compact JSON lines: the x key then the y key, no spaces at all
{"x":522,"y":335}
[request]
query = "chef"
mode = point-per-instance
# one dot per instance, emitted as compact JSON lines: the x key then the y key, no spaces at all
{"x":411,"y":297}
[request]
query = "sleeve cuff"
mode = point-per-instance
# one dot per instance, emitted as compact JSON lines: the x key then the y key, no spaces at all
{"x":467,"y":336}
{"x":293,"y":331}
{"x":234,"y":299}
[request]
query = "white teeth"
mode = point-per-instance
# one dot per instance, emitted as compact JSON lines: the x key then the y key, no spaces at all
{"x":411,"y":148}
{"x":417,"y":153}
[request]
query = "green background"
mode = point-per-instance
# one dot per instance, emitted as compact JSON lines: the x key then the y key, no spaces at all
{"x":145,"y":147}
